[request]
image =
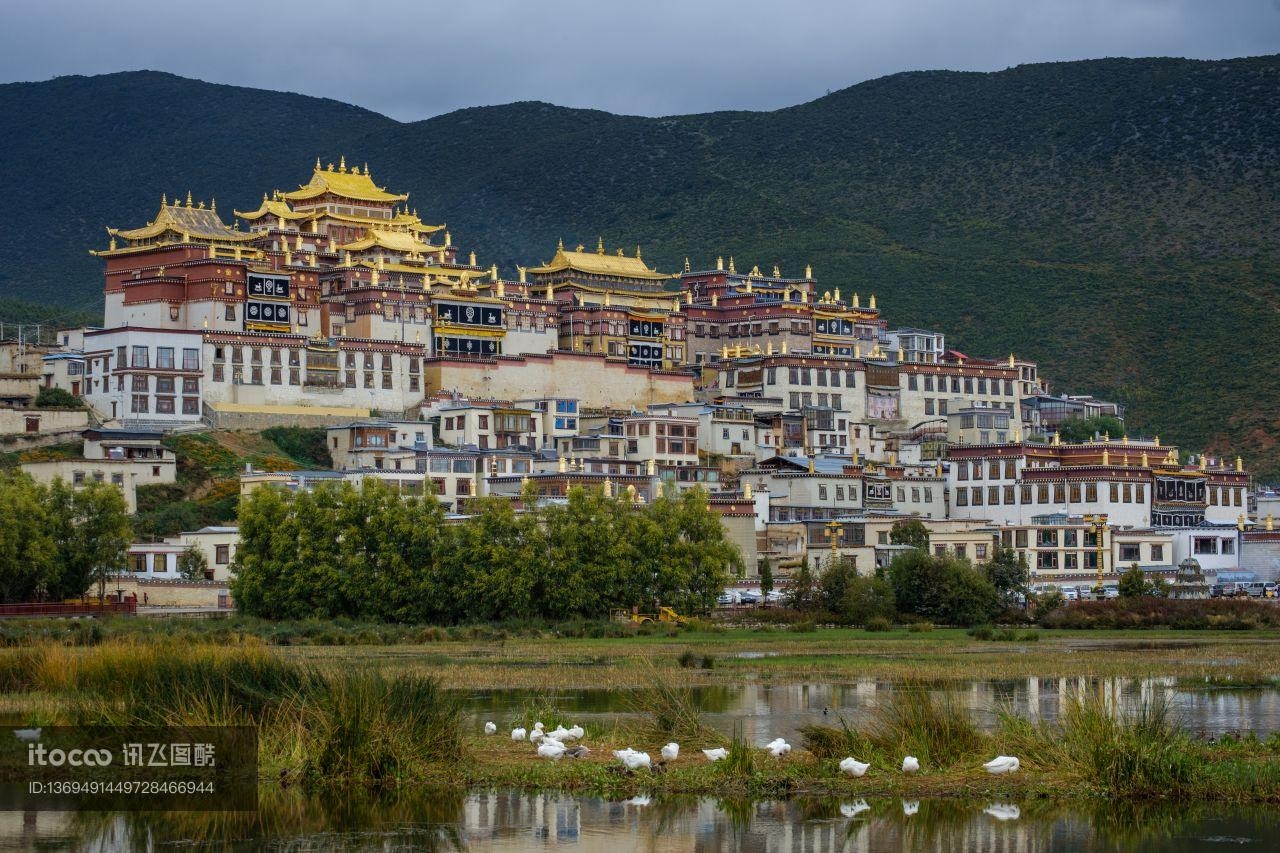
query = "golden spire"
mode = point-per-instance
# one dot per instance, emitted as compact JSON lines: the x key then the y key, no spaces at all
{"x":902,"y":355}
{"x":638,"y":258}
{"x":856,"y":303}
{"x":560,"y":245}
{"x":1106,"y":457}
{"x":1239,"y":464}
{"x":213,"y":205}
{"x":164,"y":200}
{"x":599,"y":245}
{"x":732,"y":269}
{"x":755,"y":271}
{"x":1204,"y":462}
{"x":857,"y":350}
{"x":720,"y":264}
{"x":686,"y":264}
{"x":1145,"y":459}
{"x":1011,"y":359}
{"x":342,"y":163}
{"x":872,"y":304}
{"x":317,"y":167}
{"x":493,"y":272}
{"x":808,"y":271}
{"x":188,"y":198}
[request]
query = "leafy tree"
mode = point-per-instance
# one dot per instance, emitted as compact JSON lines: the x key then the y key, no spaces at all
{"x":1159,"y":587}
{"x":801,"y":589}
{"x":867,"y":598}
{"x":1076,"y":430}
{"x":910,"y":531}
{"x":192,"y":564}
{"x":93,"y":538}
{"x":57,"y":398}
{"x":766,"y":578}
{"x":834,"y":585}
{"x":1007,"y":572}
{"x":943,"y":588}
{"x":27,"y":564}
{"x":1133,"y":582}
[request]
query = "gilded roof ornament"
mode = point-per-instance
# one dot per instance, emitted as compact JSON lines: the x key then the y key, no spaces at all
{"x":686,"y":264}
{"x":188,"y":198}
{"x":808,"y":271}
{"x":342,"y":163}
{"x":732,"y":268}
{"x":638,"y":258}
{"x":720,"y":264}
{"x":599,"y":245}
{"x":777,"y":271}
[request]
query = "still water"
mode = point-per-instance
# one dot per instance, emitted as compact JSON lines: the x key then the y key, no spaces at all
{"x":511,"y":821}
{"x":764,"y":711}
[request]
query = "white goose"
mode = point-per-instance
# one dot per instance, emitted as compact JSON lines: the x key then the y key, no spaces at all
{"x":559,"y":733}
{"x":853,"y":767}
{"x":636,"y":760}
{"x":552,"y":749}
{"x":910,"y":764}
{"x":576,"y":732}
{"x":536,"y":735}
{"x":519,"y":734}
{"x":621,"y":754}
{"x":671,"y":751}
{"x":1001,"y":764}
{"x":490,"y":728}
{"x":778,"y":747}
{"x":716,"y":754}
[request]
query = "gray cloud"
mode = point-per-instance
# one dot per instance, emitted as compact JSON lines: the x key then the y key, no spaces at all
{"x":416,"y":58}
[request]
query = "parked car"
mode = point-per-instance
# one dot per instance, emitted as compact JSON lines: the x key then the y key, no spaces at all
{"x":748,"y":597}
{"x":774,"y":597}
{"x":1111,"y":592}
{"x":1069,"y":593}
{"x":728,"y":597}
{"x":1270,"y":590}
{"x":1255,"y":589}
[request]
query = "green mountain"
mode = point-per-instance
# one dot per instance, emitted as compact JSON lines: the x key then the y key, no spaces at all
{"x":1116,"y":220}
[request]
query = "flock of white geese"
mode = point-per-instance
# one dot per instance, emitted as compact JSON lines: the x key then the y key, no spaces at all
{"x":561,"y":743}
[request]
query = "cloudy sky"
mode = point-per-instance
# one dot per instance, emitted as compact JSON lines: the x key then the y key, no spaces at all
{"x":412,"y":59}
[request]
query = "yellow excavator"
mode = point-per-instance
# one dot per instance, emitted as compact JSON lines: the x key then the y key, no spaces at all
{"x":664,"y":614}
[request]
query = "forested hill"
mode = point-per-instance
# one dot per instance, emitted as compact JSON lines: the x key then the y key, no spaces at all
{"x":1117,"y":220}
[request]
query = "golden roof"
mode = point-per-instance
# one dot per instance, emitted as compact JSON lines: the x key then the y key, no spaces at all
{"x":598,"y":263}
{"x":274,"y":207}
{"x":403,"y":220}
{"x":396,"y":241}
{"x":355,"y":184}
{"x":199,"y":223}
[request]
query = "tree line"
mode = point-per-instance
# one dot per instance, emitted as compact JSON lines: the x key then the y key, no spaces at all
{"x":370,"y":553}
{"x":57,"y":541}
{"x":940,"y":588}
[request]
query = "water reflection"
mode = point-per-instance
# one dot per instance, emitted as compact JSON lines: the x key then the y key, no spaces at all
{"x":765,"y":711}
{"x":513,"y":821}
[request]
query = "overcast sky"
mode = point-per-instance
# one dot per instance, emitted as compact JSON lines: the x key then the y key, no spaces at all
{"x":412,"y":59}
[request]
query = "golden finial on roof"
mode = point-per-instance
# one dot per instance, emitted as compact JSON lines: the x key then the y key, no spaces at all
{"x":808,"y":271}
{"x":560,"y":245}
{"x":599,"y":245}
{"x":200,"y":204}
{"x":619,"y":252}
{"x":837,"y":294}
{"x":1157,"y":441}
{"x":1239,"y":464}
{"x":213,"y":205}
{"x":1145,"y":459}
{"x":826,"y":297}
{"x":563,"y":465}
{"x":872,"y":304}
{"x":777,"y":272}
{"x":724,"y":351}
{"x":521,"y":270}
{"x":317,"y":164}
{"x":164,"y":200}
{"x":113,"y":244}
{"x":1057,"y":438}
{"x":473,"y":259}
{"x":330,"y":168}
{"x":856,"y":303}
{"x":493,"y":272}
{"x":688,"y":297}
{"x":686,"y":264}
{"x":755,"y":270}
{"x":638,"y":258}
{"x":355,"y":170}
{"x":1204,"y":462}
{"x":1106,"y":457}
{"x":188,"y":198}
{"x":342,"y":163}
{"x":448,"y":239}
{"x":366,"y":171}
{"x":720,"y":264}
{"x":732,"y":268}
{"x":749,"y":290}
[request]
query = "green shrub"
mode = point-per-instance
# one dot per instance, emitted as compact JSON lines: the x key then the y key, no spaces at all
{"x":804,"y":626}
{"x":920,"y":627}
{"x":981,"y":632}
{"x":879,"y":624}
